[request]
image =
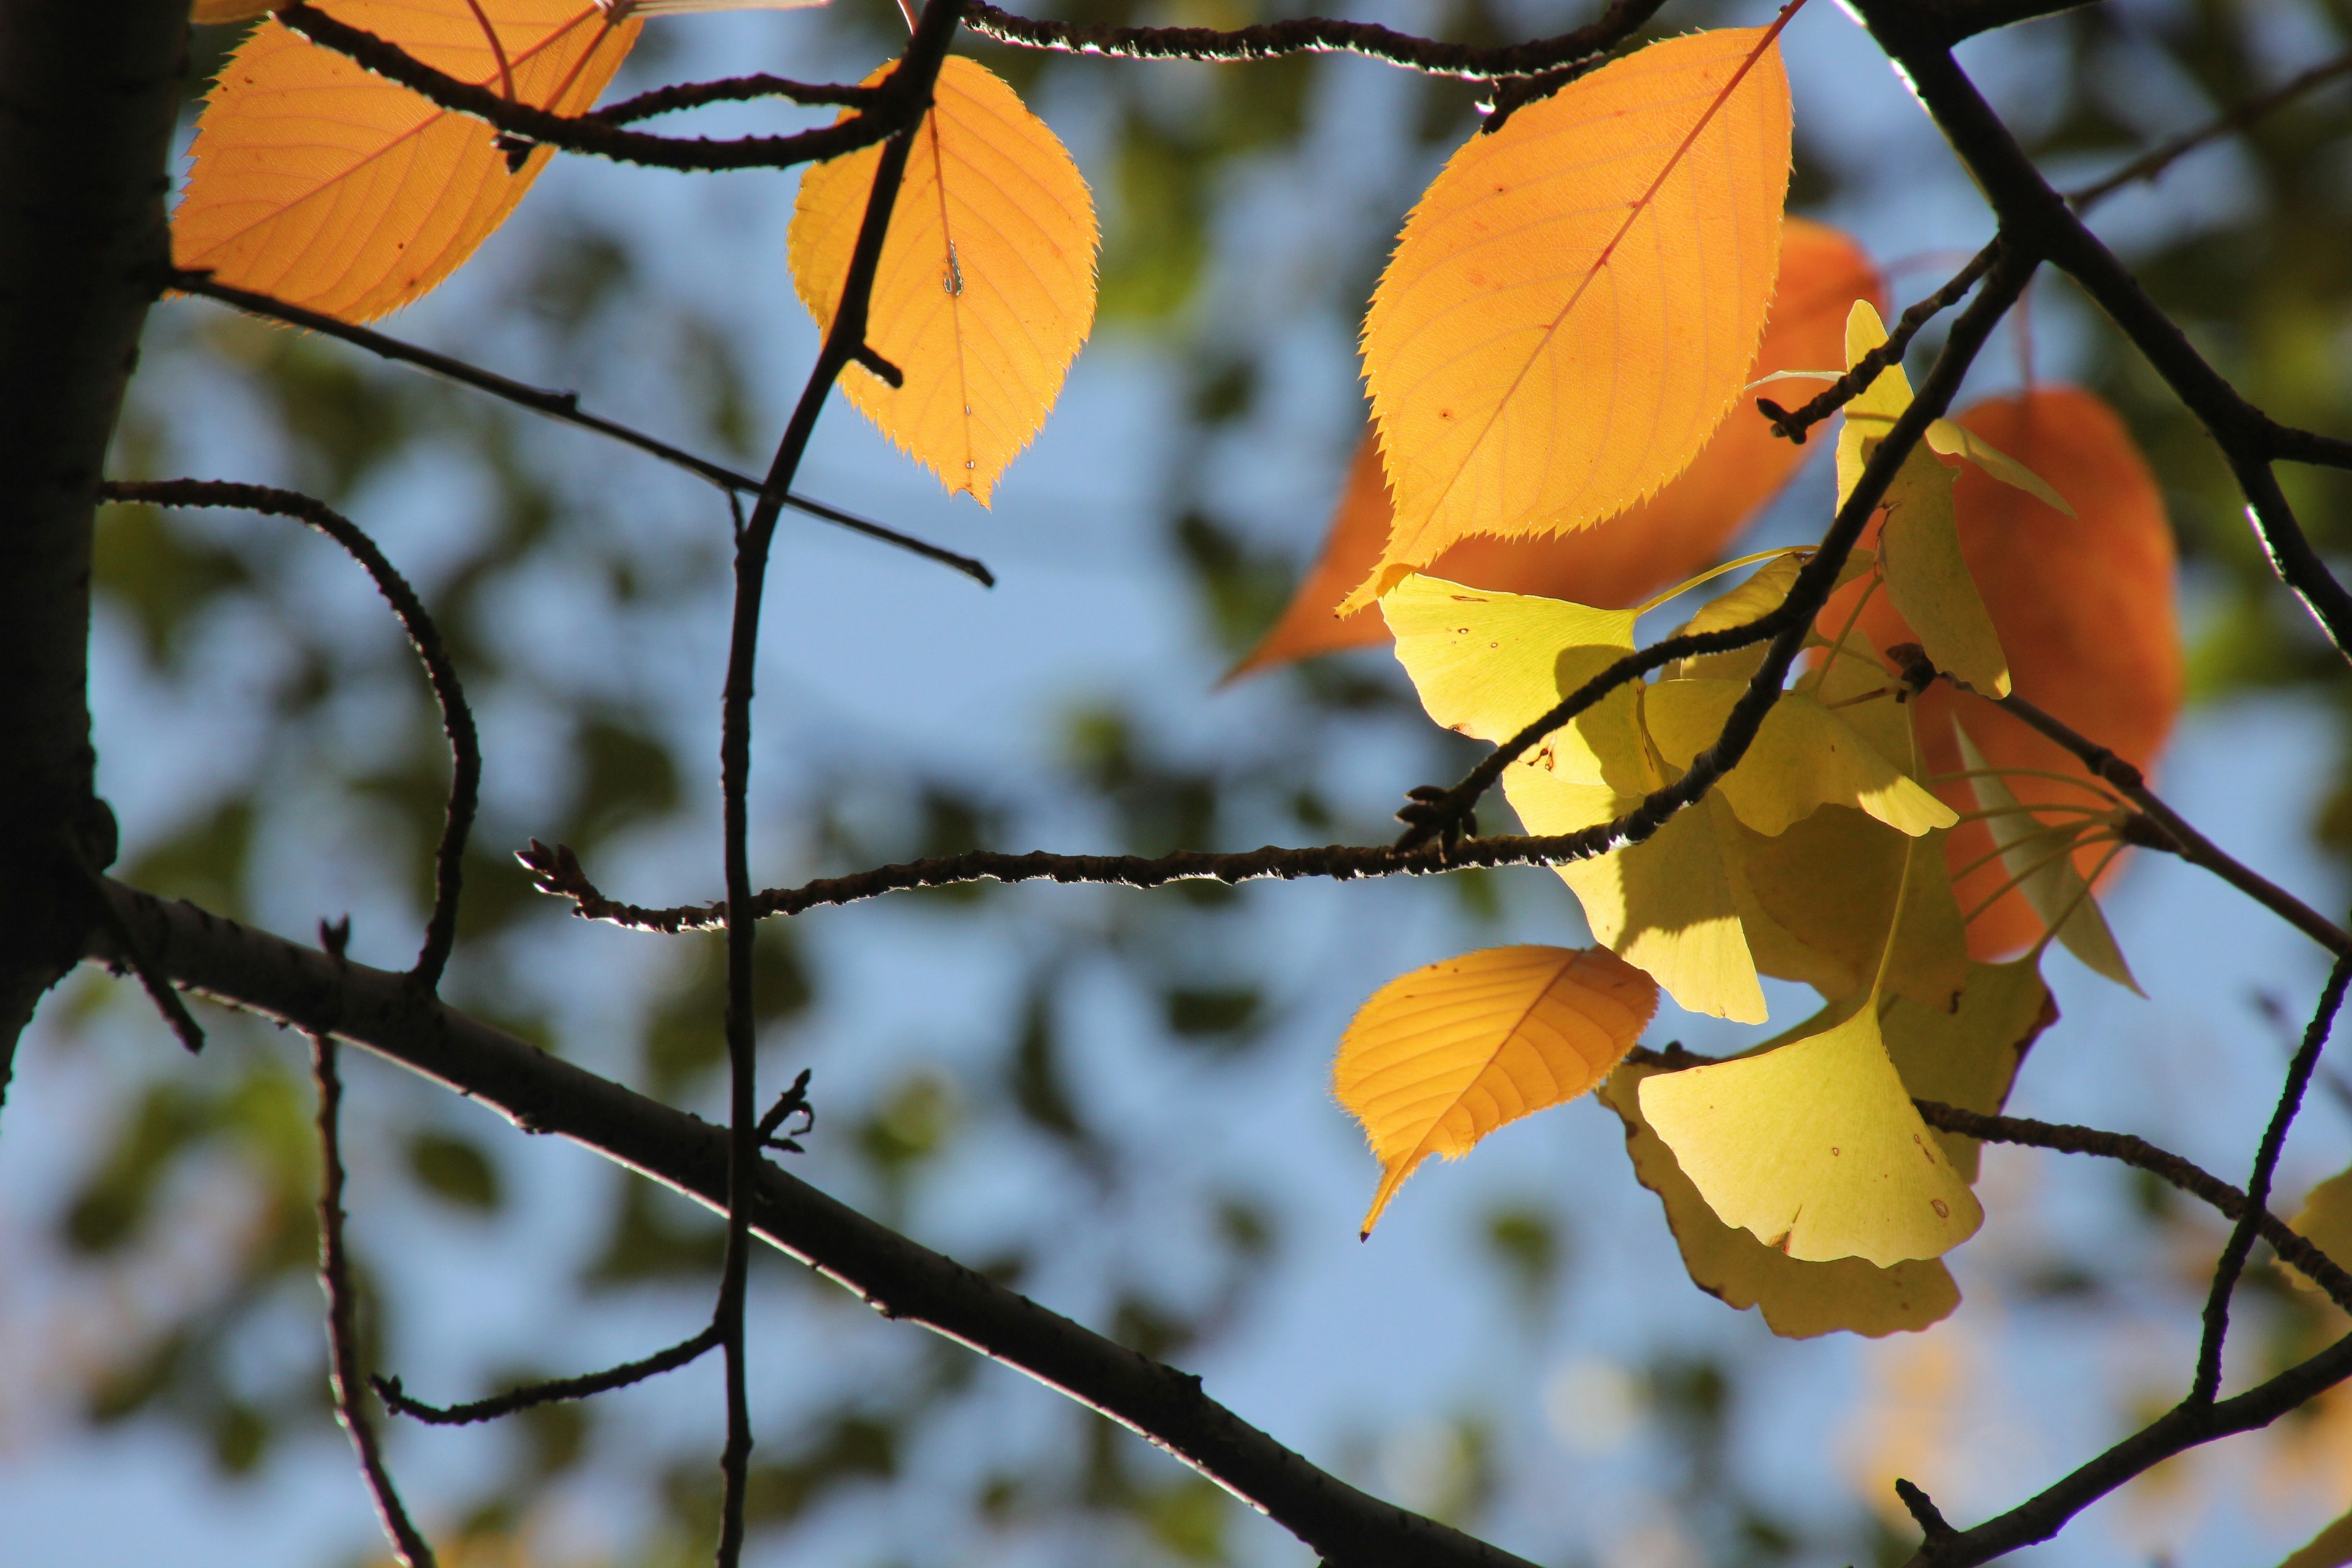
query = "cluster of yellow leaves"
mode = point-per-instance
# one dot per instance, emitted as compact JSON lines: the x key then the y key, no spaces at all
{"x":1538,"y":378}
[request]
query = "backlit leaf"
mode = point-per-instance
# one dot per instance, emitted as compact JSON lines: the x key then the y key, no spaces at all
{"x":1618,"y":562}
{"x":1576,"y":301}
{"x":2037,"y":855}
{"x":328,"y":186}
{"x":1917,"y":540}
{"x":1816,"y":1148}
{"x":1969,"y":1056}
{"x":1441,"y":1057}
{"x":2331,"y":1548}
{"x":2325,"y":1221}
{"x":986,"y":287}
{"x":1803,"y":757}
{"x":1829,"y":884}
{"x":2085,"y":609}
{"x":1800,"y":1300}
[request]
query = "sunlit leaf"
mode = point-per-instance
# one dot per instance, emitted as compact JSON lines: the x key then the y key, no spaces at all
{"x":1969,"y":1056}
{"x":986,"y":286}
{"x":1959,"y":441}
{"x":1917,"y":540}
{"x":2086,"y":612}
{"x":1829,"y":884}
{"x":1441,"y":1057}
{"x":1803,"y":757}
{"x":1816,"y":1148}
{"x":1575,"y":302}
{"x":2038,"y":855}
{"x":1800,"y":1300}
{"x":1620,"y":562}
{"x":322,"y":184}
{"x":2325,"y":1221}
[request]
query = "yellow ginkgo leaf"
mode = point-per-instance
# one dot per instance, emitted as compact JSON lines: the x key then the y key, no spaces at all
{"x":1829,"y":884}
{"x":1665,"y":905}
{"x":1928,"y":579}
{"x":1487,"y":665}
{"x":1800,"y":1300}
{"x":1955,"y":440}
{"x":1441,"y":1057}
{"x":1816,"y":1148}
{"x":328,"y":186}
{"x":2038,"y":857}
{"x":1576,"y":301}
{"x":1969,"y":1056}
{"x":2325,"y":1221}
{"x":1762,"y":592}
{"x":986,"y":287}
{"x":1803,"y":757}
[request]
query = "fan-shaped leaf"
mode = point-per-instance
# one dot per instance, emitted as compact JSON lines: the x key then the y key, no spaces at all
{"x":1441,"y":1057}
{"x":1803,"y":757}
{"x":328,"y":186}
{"x":986,"y":287}
{"x":1576,"y":301}
{"x":1618,"y":562}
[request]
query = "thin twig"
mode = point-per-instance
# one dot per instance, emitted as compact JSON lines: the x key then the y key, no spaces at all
{"x":457,"y":718}
{"x":559,"y":406}
{"x":585,"y":1386}
{"x":2163,"y":154}
{"x":580,"y":133}
{"x":1317,"y":35}
{"x":2208,"y":1381}
{"x":151,"y":978}
{"x":734,"y":89}
{"x":342,"y":1334}
{"x":1795,"y":426}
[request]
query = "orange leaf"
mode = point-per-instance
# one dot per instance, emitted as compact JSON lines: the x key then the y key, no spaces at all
{"x":1441,"y":1057}
{"x":987,"y":282}
{"x":2085,"y":609}
{"x":1615,"y":564}
{"x":1575,"y":302}
{"x":327,"y":187}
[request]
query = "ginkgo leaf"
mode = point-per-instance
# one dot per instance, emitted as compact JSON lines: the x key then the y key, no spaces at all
{"x":1969,"y":1056}
{"x":986,"y":287}
{"x":1959,"y":441}
{"x":1441,"y":1057}
{"x":1623,"y":560}
{"x":1576,"y":301}
{"x":1816,"y":1148}
{"x":2325,"y":1221}
{"x":1762,"y":592}
{"x":2038,"y":858}
{"x":2086,"y":612}
{"x":1665,"y":905}
{"x":1918,"y":545}
{"x":1800,"y":1300}
{"x":1487,"y":665}
{"x":2331,"y":1548}
{"x":1803,"y":757}
{"x":325,"y":185}
{"x":1829,"y":884}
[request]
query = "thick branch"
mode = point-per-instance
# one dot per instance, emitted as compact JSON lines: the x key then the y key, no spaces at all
{"x":1318,"y":35}
{"x":541,"y":1093}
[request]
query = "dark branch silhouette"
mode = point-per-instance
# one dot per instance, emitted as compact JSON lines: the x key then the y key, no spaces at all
{"x":585,"y":1386}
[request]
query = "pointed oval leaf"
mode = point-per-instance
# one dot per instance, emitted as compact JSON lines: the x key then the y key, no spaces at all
{"x":986,"y":287}
{"x":1816,"y":1148}
{"x":1618,"y":562}
{"x":1441,"y":1057}
{"x":327,"y":187}
{"x":1576,"y":301}
{"x":2086,"y":612}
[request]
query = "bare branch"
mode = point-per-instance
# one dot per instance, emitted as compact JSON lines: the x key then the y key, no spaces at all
{"x":457,"y":718}
{"x":559,"y":406}
{"x":589,"y":1385}
{"x":734,"y":89}
{"x":540,"y":1092}
{"x":1857,"y":379}
{"x":2163,"y":154}
{"x":1318,"y":35}
{"x":342,"y":1333}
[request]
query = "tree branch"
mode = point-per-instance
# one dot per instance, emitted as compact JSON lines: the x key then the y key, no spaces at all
{"x":1317,"y":35}
{"x":587,"y":133}
{"x":1794,"y":427}
{"x":734,"y":89}
{"x":2163,"y":154}
{"x":303,"y":988}
{"x":586,"y":1386}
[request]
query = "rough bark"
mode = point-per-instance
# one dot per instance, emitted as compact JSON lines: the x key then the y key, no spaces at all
{"x":89,"y":93}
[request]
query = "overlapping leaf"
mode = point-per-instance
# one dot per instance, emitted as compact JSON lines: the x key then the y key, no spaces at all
{"x":986,"y":287}
{"x":2085,"y":608}
{"x":328,"y":186}
{"x":1441,"y":1057}
{"x":1575,"y":302}
{"x":1618,"y":562}
{"x":2038,"y":855}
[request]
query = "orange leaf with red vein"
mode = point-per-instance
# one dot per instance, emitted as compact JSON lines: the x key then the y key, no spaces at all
{"x":1615,"y":564}
{"x":1441,"y":1057}
{"x":1574,"y":302}
{"x":328,"y":186}
{"x":2085,"y":609}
